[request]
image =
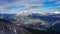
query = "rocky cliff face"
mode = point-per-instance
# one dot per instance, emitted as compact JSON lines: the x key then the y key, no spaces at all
{"x":10,"y":28}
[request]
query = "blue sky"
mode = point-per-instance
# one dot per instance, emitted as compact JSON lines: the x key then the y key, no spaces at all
{"x":13,"y":6}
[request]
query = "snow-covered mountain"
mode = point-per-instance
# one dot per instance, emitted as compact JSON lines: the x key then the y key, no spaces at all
{"x":50,"y":17}
{"x":26,"y":13}
{"x":55,"y":12}
{"x":46,"y":17}
{"x":33,"y":19}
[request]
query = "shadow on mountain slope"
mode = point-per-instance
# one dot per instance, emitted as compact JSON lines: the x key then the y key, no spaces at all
{"x":36,"y":31}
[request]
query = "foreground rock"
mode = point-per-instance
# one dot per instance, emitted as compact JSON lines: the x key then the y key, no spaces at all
{"x":10,"y":28}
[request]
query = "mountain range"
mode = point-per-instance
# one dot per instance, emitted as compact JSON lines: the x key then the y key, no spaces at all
{"x":39,"y":21}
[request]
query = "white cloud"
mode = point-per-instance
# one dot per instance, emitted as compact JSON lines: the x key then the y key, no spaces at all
{"x":51,"y":0}
{"x":58,"y":2}
{"x":4,"y":4}
{"x":16,"y":3}
{"x":57,"y":12}
{"x":58,"y":7}
{"x":34,"y":5}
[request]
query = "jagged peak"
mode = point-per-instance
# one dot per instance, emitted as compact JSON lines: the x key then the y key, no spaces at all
{"x":25,"y":13}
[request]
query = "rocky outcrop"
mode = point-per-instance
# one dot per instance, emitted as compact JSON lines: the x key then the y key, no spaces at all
{"x":11,"y":28}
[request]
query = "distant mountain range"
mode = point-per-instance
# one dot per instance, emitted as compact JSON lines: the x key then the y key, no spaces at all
{"x":35,"y":20}
{"x":48,"y":17}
